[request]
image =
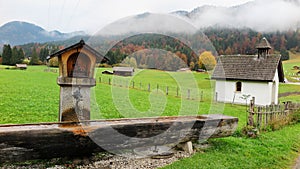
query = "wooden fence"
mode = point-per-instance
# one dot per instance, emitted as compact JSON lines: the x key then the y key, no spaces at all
{"x":183,"y":92}
{"x":262,"y":116}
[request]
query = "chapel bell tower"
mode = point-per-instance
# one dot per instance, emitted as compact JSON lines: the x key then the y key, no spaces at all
{"x":263,"y":48}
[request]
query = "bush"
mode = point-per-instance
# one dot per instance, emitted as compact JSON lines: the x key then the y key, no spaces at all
{"x":295,"y":117}
{"x":277,"y":124}
{"x":105,"y":65}
{"x":26,"y":61}
{"x":53,"y":62}
{"x":11,"y":68}
{"x":250,"y":131}
{"x":143,"y":66}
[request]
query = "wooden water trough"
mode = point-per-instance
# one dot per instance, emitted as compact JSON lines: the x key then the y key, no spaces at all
{"x":73,"y":139}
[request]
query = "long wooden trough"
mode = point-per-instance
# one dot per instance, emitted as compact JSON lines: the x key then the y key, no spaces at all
{"x":69,"y":139}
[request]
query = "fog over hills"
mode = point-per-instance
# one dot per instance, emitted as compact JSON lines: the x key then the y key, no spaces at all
{"x":259,"y":15}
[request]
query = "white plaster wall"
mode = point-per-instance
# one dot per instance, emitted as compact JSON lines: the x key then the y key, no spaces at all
{"x":262,"y":91}
{"x":276,"y":83}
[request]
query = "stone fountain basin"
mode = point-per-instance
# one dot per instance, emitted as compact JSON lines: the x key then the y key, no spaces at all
{"x":74,"y":139}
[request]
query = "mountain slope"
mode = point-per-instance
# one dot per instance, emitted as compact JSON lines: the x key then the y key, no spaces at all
{"x":259,"y":15}
{"x":17,"y":33}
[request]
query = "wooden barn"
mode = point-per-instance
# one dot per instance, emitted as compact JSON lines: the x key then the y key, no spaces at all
{"x":123,"y":71}
{"x":254,"y":75}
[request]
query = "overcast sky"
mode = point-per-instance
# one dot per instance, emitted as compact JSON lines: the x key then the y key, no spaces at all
{"x":91,"y":15}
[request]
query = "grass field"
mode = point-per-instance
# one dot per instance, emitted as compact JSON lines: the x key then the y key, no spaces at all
{"x":271,"y":150}
{"x":32,"y":96}
{"x":28,"y":96}
{"x":290,"y":72}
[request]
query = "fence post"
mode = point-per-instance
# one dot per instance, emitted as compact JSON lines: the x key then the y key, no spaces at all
{"x":253,"y":98}
{"x":279,"y":111}
{"x":157,"y":88}
{"x":259,"y":119}
{"x":148,"y":87}
{"x":250,"y":120}
{"x":267,"y":118}
{"x":189,"y":93}
{"x":201,"y":96}
{"x":109,"y":81}
{"x":167,"y":90}
{"x":177,"y":91}
{"x":133,"y":84}
{"x":99,"y":79}
{"x":286,"y":106}
{"x":216,"y":99}
{"x":252,"y":104}
{"x":274,"y":112}
{"x":267,"y":115}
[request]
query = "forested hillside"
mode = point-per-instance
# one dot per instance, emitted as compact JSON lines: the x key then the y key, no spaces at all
{"x":243,"y":41}
{"x":225,"y":41}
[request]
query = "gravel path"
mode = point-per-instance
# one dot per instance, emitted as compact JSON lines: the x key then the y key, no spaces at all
{"x":108,"y":161}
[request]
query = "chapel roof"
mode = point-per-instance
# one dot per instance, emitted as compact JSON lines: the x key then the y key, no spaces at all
{"x":248,"y":67}
{"x":264,"y":44}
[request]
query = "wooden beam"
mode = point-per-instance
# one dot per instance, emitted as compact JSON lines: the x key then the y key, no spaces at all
{"x":68,"y":139}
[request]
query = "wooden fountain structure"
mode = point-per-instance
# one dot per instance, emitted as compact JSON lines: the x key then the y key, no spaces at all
{"x":76,"y":135}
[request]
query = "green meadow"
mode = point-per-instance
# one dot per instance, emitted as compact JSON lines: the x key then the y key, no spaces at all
{"x":32,"y":96}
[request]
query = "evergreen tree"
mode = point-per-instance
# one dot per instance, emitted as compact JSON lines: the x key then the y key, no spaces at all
{"x":14,"y":56}
{"x":284,"y":54}
{"x":43,"y":54}
{"x":21,"y":56}
{"x":112,"y":57}
{"x":17,"y":56}
{"x":6,"y":55}
{"x":34,"y":58}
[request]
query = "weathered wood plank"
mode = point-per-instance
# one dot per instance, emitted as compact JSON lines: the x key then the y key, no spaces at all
{"x":50,"y":140}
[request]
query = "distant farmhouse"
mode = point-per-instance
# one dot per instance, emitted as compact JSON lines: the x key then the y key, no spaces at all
{"x":255,"y":75}
{"x":123,"y":71}
{"x":21,"y":66}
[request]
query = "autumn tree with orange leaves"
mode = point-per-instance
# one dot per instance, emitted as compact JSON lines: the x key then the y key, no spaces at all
{"x":207,"y":61}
